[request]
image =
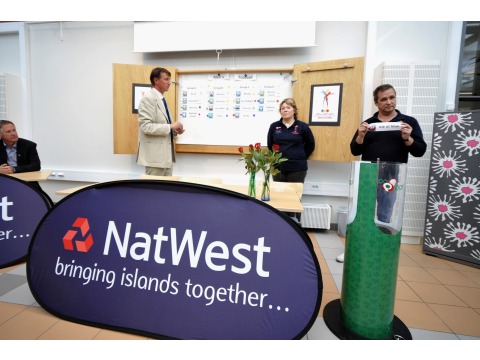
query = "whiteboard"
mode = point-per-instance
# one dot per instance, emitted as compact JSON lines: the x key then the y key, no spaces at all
{"x":230,"y":108}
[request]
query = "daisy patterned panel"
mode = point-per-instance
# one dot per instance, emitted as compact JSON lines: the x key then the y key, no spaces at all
{"x":452,"y":224}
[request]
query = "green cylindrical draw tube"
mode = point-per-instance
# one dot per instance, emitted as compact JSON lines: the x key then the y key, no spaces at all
{"x":372,"y":249}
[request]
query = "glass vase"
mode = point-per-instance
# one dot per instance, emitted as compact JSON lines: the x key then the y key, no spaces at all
{"x":252,"y":186}
{"x":266,"y":187}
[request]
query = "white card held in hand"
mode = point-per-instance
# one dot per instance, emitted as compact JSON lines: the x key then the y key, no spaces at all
{"x":385,"y":126}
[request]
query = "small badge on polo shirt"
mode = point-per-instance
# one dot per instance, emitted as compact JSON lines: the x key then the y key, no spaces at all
{"x":295,"y":130}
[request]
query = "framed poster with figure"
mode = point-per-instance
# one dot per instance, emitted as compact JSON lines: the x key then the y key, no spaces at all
{"x":326,"y":104}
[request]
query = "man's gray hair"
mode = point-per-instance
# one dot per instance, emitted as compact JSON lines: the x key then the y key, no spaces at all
{"x":5,"y":122}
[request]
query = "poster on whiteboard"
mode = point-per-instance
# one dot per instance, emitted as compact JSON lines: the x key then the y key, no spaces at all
{"x":230,"y":108}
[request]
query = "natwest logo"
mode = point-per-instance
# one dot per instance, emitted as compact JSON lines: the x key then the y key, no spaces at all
{"x":81,"y":245}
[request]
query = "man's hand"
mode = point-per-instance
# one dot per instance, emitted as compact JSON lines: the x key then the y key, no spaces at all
{"x":6,"y":169}
{"x":177,"y":128}
{"x":406,"y":131}
{"x":362,"y":131}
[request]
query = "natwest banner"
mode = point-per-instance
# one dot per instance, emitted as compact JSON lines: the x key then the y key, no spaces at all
{"x":175,"y":260}
{"x":21,"y":209}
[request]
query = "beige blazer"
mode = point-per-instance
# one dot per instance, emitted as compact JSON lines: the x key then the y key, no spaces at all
{"x":155,"y":147}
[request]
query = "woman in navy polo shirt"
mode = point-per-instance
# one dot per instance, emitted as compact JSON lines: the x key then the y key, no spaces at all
{"x":296,"y":142}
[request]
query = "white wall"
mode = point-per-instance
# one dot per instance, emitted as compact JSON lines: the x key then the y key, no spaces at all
{"x":9,"y":53}
{"x":72,"y":92}
{"x":72,"y":99}
{"x":13,"y":86}
{"x":10,"y":67}
{"x":72,"y":89}
{"x":413,"y":41}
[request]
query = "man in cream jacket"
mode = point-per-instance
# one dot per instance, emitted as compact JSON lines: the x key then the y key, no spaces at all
{"x":156,"y":130}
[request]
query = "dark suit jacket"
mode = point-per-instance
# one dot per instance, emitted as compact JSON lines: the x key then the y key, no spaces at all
{"x":27,"y":156}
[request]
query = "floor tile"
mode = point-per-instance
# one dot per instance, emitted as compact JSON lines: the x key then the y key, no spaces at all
{"x":104,"y":334}
{"x":323,"y":266}
{"x":326,"y":234}
{"x":419,"y":334}
{"x":404,"y":292}
{"x":331,"y":253}
{"x":7,"y":311}
{"x":19,"y":295}
{"x":413,"y":273}
{"x":404,"y":259}
{"x":314,"y":241}
{"x":428,"y":261}
{"x":464,"y":337}
{"x":66,"y":330}
{"x":419,"y":316}
{"x":470,"y":296}
{"x":329,"y":242}
{"x":411,"y":248}
{"x":20,"y":269}
{"x":329,"y":285}
{"x":451,"y":277}
{"x":473,"y":275}
{"x":7,"y":269}
{"x":463,"y":321}
{"x":320,"y":331}
{"x":10,"y":281}
{"x":338,"y":282}
{"x":435,"y":294}
{"x":335,"y":267}
{"x":27,"y":325}
{"x":463,"y":267}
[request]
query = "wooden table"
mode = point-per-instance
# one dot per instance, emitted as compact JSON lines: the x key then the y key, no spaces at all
{"x":69,"y":191}
{"x":281,"y":198}
{"x":41,"y":175}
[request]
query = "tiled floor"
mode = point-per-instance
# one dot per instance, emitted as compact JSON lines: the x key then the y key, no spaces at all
{"x":436,"y":299}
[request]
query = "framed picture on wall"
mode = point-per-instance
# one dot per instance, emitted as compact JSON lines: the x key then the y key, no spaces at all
{"x":138,"y":90}
{"x":326,"y":104}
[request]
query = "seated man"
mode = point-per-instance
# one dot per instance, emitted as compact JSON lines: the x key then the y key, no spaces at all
{"x":16,"y":154}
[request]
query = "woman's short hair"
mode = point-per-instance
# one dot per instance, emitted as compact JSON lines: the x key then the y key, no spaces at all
{"x":290,"y":102}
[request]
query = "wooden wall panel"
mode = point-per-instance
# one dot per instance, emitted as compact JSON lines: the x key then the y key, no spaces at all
{"x":125,"y":122}
{"x":332,"y":142}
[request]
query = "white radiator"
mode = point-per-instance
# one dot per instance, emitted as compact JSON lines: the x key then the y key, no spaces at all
{"x":417,"y":85}
{"x":316,"y":216}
